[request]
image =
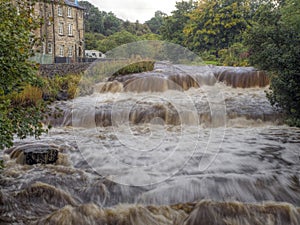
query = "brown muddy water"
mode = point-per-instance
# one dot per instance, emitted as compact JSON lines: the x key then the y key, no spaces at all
{"x":162,"y":150}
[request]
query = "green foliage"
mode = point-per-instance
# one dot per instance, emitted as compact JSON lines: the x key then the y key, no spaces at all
{"x":215,"y":63}
{"x":115,"y":40}
{"x":156,"y":22}
{"x":93,"y":20}
{"x":274,"y":45}
{"x":172,"y":27}
{"x":96,"y":21}
{"x":208,"y":56}
{"x":150,"y":37}
{"x":30,"y":95}
{"x":1,"y":164}
{"x":109,"y":70}
{"x":15,"y":48}
{"x":58,"y":87}
{"x":112,"y":24}
{"x":105,"y":44}
{"x":235,"y":55}
{"x":136,"y":28}
{"x":104,"y":31}
{"x":216,"y":25}
{"x":137,"y":67}
{"x":18,"y":116}
{"x":92,"y":39}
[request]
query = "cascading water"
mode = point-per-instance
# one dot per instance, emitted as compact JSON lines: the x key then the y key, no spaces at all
{"x":250,"y":176}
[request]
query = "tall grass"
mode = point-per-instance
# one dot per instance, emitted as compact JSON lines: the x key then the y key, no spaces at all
{"x":30,"y":95}
{"x":56,"y":87}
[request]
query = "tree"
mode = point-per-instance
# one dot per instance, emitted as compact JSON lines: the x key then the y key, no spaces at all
{"x":156,"y":22}
{"x":136,"y":28}
{"x":115,"y":40}
{"x":112,"y":24}
{"x":216,"y":25}
{"x":274,"y":44}
{"x":93,"y":18}
{"x":99,"y":21}
{"x":19,"y":115}
{"x":92,"y":39}
{"x":172,"y":26}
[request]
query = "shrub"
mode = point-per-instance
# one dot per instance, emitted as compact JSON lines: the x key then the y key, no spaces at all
{"x":18,"y":74}
{"x":29,"y":96}
{"x":274,"y":44}
{"x":60,"y":87}
{"x":235,"y":55}
{"x":136,"y":67}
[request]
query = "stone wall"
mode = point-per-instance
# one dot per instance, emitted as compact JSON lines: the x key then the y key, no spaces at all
{"x":61,"y":69}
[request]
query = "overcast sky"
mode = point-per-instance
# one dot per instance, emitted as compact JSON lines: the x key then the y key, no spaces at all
{"x":133,"y":10}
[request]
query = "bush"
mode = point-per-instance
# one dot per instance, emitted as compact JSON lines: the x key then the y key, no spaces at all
{"x":137,"y":67}
{"x":235,"y":55}
{"x":208,"y":56}
{"x":60,"y":87}
{"x":274,"y":44}
{"x":18,"y":74}
{"x":285,"y":95}
{"x":30,"y":95}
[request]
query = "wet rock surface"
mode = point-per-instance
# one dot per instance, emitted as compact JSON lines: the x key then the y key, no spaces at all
{"x":223,"y":213}
{"x":31,"y":154}
{"x":251,"y":178}
{"x":181,"y":77}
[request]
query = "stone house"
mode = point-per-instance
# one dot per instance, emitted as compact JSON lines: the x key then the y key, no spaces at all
{"x":62,"y":30}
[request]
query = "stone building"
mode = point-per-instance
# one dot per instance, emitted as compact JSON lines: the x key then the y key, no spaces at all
{"x":62,"y":31}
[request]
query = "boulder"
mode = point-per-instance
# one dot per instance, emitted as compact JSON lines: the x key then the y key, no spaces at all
{"x":31,"y":154}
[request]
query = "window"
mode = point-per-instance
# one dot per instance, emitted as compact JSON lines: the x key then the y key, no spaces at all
{"x":70,"y":29}
{"x":60,"y":11}
{"x":61,"y":50}
{"x":79,"y":51}
{"x":49,"y":18}
{"x":49,"y":48}
{"x":70,"y":51}
{"x":43,"y":48}
{"x":69,"y":12}
{"x":61,"y":28}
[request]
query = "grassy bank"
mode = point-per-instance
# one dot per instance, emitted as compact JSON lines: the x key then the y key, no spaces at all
{"x":66,"y":87}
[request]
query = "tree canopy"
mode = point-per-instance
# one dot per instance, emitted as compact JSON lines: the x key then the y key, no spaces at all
{"x":274,"y":45}
{"x":156,"y":22}
{"x":19,"y":114}
{"x":216,"y":25}
{"x":172,"y":26}
{"x":97,"y":21}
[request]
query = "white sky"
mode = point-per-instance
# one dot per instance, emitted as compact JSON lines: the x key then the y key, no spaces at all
{"x":133,"y":10}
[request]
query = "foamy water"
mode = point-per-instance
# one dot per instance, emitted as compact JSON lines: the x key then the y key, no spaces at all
{"x":153,"y":158}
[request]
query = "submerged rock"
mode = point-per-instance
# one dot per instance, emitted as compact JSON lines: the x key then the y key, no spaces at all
{"x":31,"y":154}
{"x":237,"y":213}
{"x":119,"y":215}
{"x":204,"y":213}
{"x":184,"y":77}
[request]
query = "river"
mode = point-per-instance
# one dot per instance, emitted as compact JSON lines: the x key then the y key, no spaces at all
{"x":155,"y":152}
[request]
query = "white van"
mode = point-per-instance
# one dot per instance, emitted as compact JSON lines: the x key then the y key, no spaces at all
{"x":94,"y":54}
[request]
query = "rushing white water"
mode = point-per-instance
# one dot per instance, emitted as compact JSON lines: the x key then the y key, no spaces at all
{"x":160,"y":149}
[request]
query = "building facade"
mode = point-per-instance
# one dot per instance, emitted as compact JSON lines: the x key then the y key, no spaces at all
{"x":62,"y":30}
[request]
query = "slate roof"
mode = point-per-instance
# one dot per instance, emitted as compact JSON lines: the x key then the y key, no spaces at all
{"x":73,"y":4}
